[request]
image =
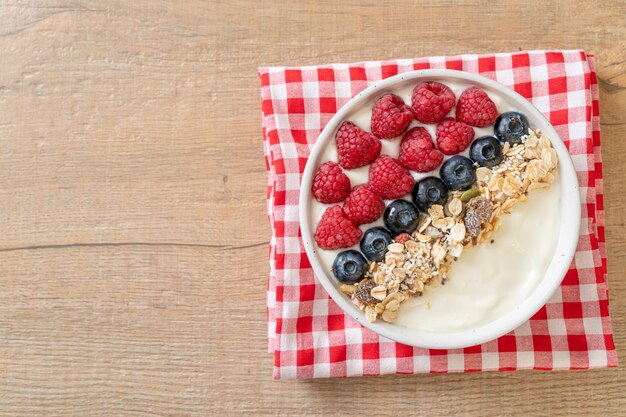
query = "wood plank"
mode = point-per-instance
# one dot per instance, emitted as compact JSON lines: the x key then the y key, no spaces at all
{"x":133,"y":230}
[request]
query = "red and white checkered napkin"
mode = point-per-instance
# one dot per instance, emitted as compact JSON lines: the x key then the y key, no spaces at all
{"x":309,"y":334}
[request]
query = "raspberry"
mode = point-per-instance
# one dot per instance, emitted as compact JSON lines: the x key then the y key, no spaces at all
{"x":330,"y":184}
{"x":453,"y":137}
{"x":417,"y":151}
{"x":402,"y":238}
{"x":363,"y":206}
{"x":390,"y":116}
{"x":334,"y":231}
{"x":355,"y":147}
{"x":475,"y":108}
{"x":389,"y":179}
{"x":431,"y":101}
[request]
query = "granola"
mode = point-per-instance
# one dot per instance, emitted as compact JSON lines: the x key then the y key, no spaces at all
{"x":468,"y":218}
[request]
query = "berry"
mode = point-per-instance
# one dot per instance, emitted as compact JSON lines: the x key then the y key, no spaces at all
{"x":458,"y":173}
{"x":510,"y":127}
{"x":401,"y":216}
{"x":390,"y":116}
{"x":349,"y":266}
{"x":453,"y":137}
{"x":374,"y":243}
{"x":355,"y":147}
{"x":389,"y":179}
{"x":417,"y":151}
{"x":334,"y":231}
{"x":362,"y":205}
{"x":486,"y":151}
{"x":330,"y":184}
{"x":429,"y":191}
{"x":475,"y":108}
{"x":402,"y":238}
{"x":431,"y":101}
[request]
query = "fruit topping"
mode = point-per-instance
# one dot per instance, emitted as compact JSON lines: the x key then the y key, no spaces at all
{"x":355,"y":147}
{"x":402,"y":238}
{"x":453,"y":137}
{"x":335,"y":231}
{"x":349,"y":266}
{"x":363,"y":205}
{"x":486,"y":151}
{"x":458,"y":173}
{"x":431,"y":101}
{"x":429,"y":191}
{"x":390,"y":116}
{"x":330,"y":184}
{"x":401,"y":216}
{"x":510,"y":127}
{"x":374,"y":243}
{"x":389,"y":179}
{"x":475,"y":108}
{"x":417,"y":151}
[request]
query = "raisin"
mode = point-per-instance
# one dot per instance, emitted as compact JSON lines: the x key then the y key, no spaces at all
{"x":363,"y":292}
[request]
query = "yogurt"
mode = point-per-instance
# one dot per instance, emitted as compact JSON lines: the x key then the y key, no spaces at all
{"x":487,"y":281}
{"x":492,"y":279}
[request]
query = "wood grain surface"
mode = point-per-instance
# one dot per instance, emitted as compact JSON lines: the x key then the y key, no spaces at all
{"x":133,"y":233}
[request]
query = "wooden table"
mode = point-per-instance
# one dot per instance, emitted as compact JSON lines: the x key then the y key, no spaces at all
{"x":133,"y":233}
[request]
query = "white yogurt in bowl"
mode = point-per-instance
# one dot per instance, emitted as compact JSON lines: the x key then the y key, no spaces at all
{"x":492,"y":279}
{"x":492,"y":288}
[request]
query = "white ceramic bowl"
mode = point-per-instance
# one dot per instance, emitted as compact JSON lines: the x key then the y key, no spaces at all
{"x":566,"y":241}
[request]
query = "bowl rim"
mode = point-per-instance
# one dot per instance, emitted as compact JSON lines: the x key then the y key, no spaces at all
{"x":564,"y":250}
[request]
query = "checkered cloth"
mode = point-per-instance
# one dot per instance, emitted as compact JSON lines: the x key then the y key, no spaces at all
{"x":309,"y":334}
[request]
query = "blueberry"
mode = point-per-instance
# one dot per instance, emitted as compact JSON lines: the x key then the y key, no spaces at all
{"x":429,"y":191}
{"x":349,"y":266}
{"x":486,"y":151}
{"x":374,"y":243}
{"x":510,"y":127}
{"x":401,"y":216}
{"x":458,"y":173}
